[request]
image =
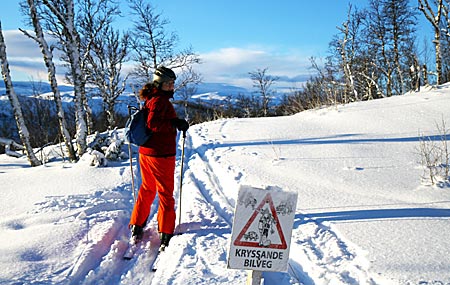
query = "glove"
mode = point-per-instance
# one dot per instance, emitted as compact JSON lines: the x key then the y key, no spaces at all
{"x":180,"y":124}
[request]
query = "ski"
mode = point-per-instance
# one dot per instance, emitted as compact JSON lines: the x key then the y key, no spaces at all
{"x":154,"y":264}
{"x":133,"y":245}
{"x":151,"y":248}
{"x":159,"y":254}
{"x":147,"y":246}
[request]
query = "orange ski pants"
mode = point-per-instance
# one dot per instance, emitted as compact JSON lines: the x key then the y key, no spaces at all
{"x":157,"y":175}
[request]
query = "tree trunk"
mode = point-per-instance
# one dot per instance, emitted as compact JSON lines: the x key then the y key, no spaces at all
{"x":23,"y":130}
{"x":346,"y":61}
{"x":425,"y":75}
{"x":437,"y":43}
{"x":435,"y":20}
{"x":66,"y":19}
{"x":48,"y":59}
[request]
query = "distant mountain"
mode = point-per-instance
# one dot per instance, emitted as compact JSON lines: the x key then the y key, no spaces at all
{"x":216,"y":92}
{"x":222,"y":89}
{"x":210,"y":93}
{"x":27,"y":88}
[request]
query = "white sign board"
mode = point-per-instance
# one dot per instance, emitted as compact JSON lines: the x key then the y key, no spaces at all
{"x":262,"y":228}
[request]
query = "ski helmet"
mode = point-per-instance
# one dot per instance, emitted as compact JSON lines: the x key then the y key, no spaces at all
{"x":163,"y":74}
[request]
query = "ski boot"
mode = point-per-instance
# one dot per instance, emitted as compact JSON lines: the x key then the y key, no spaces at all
{"x":165,"y":239}
{"x":137,"y":232}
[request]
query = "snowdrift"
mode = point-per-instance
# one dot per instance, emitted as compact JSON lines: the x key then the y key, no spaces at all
{"x":366,"y":213}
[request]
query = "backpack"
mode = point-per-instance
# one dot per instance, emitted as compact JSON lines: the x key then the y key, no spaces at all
{"x":136,"y":131}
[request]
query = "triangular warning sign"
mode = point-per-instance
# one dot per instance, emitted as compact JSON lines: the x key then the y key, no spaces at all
{"x":239,"y":242}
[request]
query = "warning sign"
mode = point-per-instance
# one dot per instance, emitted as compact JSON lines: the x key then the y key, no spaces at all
{"x":262,"y":229}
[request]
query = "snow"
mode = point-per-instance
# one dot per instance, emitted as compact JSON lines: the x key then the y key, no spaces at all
{"x":209,"y":96}
{"x":365,"y":214}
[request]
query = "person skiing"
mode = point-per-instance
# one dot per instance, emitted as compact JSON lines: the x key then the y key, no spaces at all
{"x":157,"y":157}
{"x":265,"y":224}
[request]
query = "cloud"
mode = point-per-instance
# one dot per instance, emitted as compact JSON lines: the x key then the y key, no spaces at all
{"x":229,"y":65}
{"x":25,"y":58}
{"x":295,"y":79}
{"x":232,"y":65}
{"x":18,"y":45}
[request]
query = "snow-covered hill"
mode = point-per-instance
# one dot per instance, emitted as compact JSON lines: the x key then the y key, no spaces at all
{"x":206,"y":93}
{"x":364,"y":214}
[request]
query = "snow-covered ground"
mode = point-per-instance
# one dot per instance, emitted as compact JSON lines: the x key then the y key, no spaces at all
{"x":364,"y":214}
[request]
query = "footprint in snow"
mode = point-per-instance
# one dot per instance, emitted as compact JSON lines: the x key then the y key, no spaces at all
{"x":15,"y":225}
{"x":31,"y":255}
{"x":356,"y":168}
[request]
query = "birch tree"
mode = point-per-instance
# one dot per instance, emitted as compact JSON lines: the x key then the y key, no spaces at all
{"x":433,"y":13}
{"x":48,"y":59}
{"x":390,"y":30}
{"x":378,"y":33}
{"x":14,"y":100}
{"x":59,"y":19}
{"x":104,"y":52}
{"x":347,"y":45}
{"x":153,"y":45}
{"x":263,"y":82}
{"x":445,"y":51}
{"x":109,"y":52}
{"x":401,"y":23}
{"x":99,"y":68}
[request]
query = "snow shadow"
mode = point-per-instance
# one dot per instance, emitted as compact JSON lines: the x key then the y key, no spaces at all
{"x":14,"y":165}
{"x":337,"y":139}
{"x":375,"y":214}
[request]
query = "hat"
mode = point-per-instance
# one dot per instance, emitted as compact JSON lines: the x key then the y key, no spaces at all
{"x":163,"y":74}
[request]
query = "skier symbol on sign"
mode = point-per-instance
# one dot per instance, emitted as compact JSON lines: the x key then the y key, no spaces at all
{"x":266,"y":225}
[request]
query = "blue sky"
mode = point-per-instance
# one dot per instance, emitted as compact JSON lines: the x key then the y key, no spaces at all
{"x":233,"y":37}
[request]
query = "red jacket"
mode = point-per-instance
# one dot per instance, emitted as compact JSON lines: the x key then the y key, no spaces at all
{"x":163,"y":140}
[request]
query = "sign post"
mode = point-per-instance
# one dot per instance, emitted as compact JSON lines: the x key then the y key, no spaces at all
{"x":262,"y":229}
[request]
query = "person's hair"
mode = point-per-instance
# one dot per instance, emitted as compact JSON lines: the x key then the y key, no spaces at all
{"x":147,"y":91}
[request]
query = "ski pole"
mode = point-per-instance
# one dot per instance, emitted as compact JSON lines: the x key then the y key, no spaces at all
{"x":181,"y":177}
{"x":130,"y":154}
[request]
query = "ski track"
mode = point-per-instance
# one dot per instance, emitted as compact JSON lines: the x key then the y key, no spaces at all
{"x":97,"y":215}
{"x":98,"y":254}
{"x":111,"y":268}
{"x":102,"y":263}
{"x":215,"y":192}
{"x":325,"y":258}
{"x":209,"y":185}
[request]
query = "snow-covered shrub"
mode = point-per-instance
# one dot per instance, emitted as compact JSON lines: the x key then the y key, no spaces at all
{"x":114,"y":150}
{"x":109,"y":144}
{"x":98,"y":159}
{"x":10,"y":146}
{"x":435,"y":156}
{"x":94,"y":158}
